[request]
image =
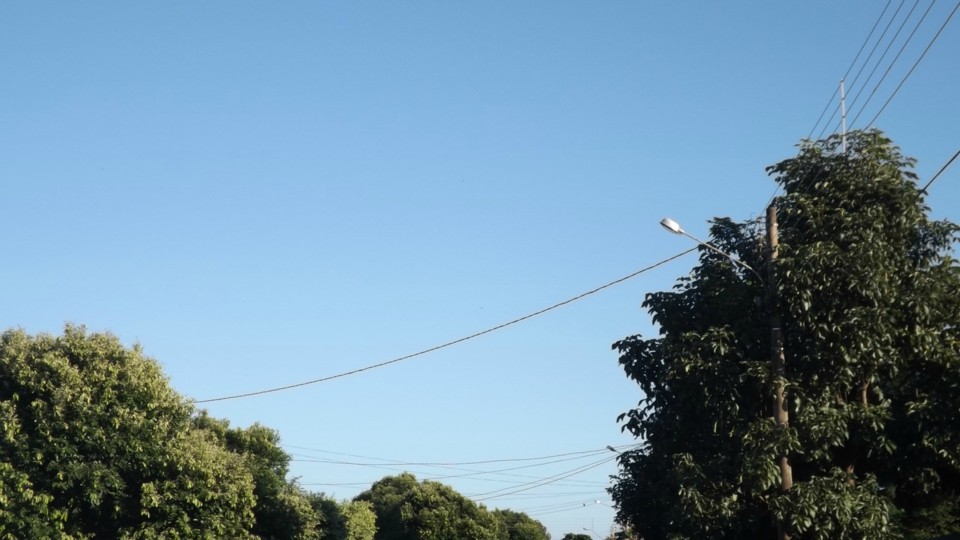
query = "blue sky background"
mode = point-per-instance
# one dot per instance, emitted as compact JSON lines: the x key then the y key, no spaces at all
{"x":266,"y":193}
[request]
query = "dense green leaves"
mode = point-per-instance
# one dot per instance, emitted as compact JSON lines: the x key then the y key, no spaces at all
{"x":347,"y":520}
{"x":283,"y":510}
{"x":411,"y":510}
{"x":520,"y":526}
{"x":95,"y":444}
{"x":871,"y":320}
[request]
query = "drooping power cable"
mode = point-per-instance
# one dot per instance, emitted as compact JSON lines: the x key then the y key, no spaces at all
{"x":449,"y":343}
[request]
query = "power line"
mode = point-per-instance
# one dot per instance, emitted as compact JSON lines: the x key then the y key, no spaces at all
{"x":865,"y":62}
{"x":549,"y":480}
{"x":472,"y":473}
{"x":893,"y":40}
{"x":915,"y":64}
{"x":863,"y":45}
{"x":481,"y":462}
{"x":894,"y":61}
{"x":945,"y":165}
{"x":559,"y":507}
{"x":849,"y":69}
{"x":451,"y":466}
{"x":553,"y":495}
{"x":449,"y":343}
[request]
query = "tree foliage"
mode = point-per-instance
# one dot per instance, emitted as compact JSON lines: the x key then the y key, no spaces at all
{"x":361,"y":522}
{"x":95,"y":444}
{"x":346,"y":520}
{"x":520,"y":526}
{"x":871,"y":323}
{"x":410,"y":510}
{"x":283,"y":510}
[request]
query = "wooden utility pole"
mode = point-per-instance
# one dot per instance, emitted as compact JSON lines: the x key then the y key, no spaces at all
{"x":780,"y":413}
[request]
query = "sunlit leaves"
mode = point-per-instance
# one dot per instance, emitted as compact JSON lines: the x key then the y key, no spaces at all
{"x":95,"y":444}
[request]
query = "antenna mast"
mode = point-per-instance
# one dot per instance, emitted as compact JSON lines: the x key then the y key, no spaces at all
{"x":843,"y":118}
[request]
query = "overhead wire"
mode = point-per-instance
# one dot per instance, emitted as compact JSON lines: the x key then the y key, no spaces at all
{"x":853,"y":102}
{"x":892,"y":63}
{"x":846,"y":75}
{"x":549,"y":480}
{"x":853,"y":63}
{"x":945,"y":165}
{"x":529,"y":496}
{"x":474,"y":474}
{"x":449,"y":343}
{"x":557,"y":511}
{"x":481,"y":462}
{"x":915,"y":64}
{"x":929,"y":45}
{"x":864,"y":65}
{"x":471,"y":472}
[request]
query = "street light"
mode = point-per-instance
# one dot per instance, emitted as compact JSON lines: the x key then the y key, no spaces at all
{"x":675,"y":228}
{"x":777,"y":360}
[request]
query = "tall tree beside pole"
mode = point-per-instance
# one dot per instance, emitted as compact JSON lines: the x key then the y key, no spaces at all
{"x":865,"y":363}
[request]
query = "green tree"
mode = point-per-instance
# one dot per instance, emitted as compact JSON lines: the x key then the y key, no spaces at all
{"x":411,"y":510}
{"x":334,"y":522}
{"x":871,"y":322}
{"x":520,"y":526}
{"x":573,"y":536}
{"x":95,"y":444}
{"x":346,"y":520}
{"x":361,"y":520}
{"x":283,"y":509}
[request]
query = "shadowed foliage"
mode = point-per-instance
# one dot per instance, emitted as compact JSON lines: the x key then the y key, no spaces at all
{"x":871,"y":322}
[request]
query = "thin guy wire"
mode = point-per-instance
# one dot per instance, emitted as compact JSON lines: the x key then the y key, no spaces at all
{"x":450,"y":343}
{"x":945,"y":165}
{"x":893,"y":62}
{"x":849,"y":69}
{"x":915,"y":64}
{"x":865,"y":62}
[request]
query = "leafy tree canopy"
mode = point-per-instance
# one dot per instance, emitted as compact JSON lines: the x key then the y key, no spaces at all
{"x":347,"y":520}
{"x":871,"y":323}
{"x":410,"y":510}
{"x":520,"y":526}
{"x":95,"y":444}
{"x":283,"y":510}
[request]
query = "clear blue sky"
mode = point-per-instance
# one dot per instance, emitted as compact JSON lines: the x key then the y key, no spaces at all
{"x":265,"y":193}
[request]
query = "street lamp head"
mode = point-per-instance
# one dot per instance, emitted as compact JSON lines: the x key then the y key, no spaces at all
{"x":671,"y":225}
{"x":675,"y":228}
